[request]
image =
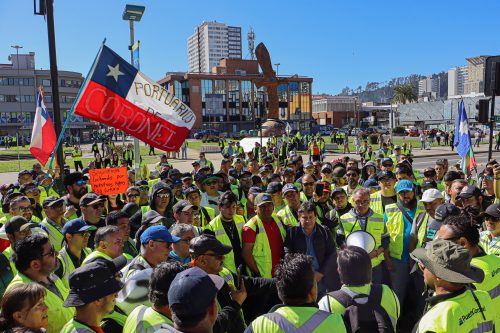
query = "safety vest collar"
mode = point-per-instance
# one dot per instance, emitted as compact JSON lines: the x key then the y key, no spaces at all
{"x":433,"y":300}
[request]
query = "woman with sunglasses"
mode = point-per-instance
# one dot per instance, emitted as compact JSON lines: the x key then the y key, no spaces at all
{"x":488,"y":187}
{"x":24,"y":306}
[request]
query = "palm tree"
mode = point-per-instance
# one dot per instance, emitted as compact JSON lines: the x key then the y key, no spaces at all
{"x":404,"y":93}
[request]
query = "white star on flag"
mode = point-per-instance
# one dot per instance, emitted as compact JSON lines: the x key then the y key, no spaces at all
{"x":114,"y":72}
{"x":464,"y":127}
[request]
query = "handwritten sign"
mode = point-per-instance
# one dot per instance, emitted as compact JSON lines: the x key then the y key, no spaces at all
{"x":109,"y":181}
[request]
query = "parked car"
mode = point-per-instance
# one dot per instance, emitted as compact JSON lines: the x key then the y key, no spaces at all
{"x":382,"y":130}
{"x":356,"y":131}
{"x":207,"y":135}
{"x":413,"y":132}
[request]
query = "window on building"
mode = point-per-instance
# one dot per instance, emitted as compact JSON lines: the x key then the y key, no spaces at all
{"x":234,"y":100}
{"x":46,"y":83}
{"x":246,"y":100}
{"x":48,"y":98}
{"x":294,"y":100}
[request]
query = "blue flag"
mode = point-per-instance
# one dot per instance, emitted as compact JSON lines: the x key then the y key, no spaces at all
{"x":462,"y":140}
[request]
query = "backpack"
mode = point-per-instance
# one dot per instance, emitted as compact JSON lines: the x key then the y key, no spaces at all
{"x":368,"y":317}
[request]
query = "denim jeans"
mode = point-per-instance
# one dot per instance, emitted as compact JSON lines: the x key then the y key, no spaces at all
{"x":400,"y":275}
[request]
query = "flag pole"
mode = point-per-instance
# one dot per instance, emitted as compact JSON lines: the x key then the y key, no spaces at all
{"x":72,"y":110}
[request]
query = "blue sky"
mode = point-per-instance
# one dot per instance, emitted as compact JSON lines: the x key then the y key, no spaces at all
{"x":338,"y":43}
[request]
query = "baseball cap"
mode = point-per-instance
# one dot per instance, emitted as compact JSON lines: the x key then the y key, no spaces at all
{"x":385,"y":174}
{"x":207,"y":242}
{"x":186,"y":176}
{"x":397,"y":147}
{"x":469,"y":191}
{"x":429,"y":172}
{"x":325,"y":167}
{"x":445,"y":210}
{"x":209,"y":177}
{"x":326,"y":187}
{"x":158,"y":233}
{"x":493,"y":211}
{"x":190,"y":189}
{"x":17,"y":223}
{"x":338,"y":189}
{"x":370,"y":182}
{"x":94,"y":281}
{"x":141,"y":183}
{"x":130,"y":209}
{"x":24,"y":172}
{"x":254,"y":190}
{"x":308,"y":164}
{"x":405,"y":185}
{"x":245,"y":174}
{"x":288,"y":171}
{"x":152,"y":217}
{"x":262,"y":198}
{"x":183,"y":206}
{"x":195,"y":163}
{"x":427,"y":184}
{"x":274,"y":187}
{"x":75,"y":226}
{"x":193,"y":290}
{"x":386,"y":160}
{"x":51,"y":201}
{"x":90,"y":199}
{"x":431,"y":194}
{"x":289,"y":187}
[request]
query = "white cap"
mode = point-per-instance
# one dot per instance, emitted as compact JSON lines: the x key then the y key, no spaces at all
{"x":430,"y":195}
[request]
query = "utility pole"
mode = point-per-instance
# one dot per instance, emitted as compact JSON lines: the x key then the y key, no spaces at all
{"x":17,"y":47}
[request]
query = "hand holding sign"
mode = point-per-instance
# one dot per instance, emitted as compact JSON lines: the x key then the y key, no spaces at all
{"x":109,"y":181}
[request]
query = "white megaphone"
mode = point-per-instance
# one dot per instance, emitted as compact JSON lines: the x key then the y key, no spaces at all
{"x":361,"y":239}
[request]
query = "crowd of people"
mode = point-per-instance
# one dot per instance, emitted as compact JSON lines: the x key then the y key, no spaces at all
{"x":263,"y":242}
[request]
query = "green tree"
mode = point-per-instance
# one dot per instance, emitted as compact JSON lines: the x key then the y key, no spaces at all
{"x":404,"y":94}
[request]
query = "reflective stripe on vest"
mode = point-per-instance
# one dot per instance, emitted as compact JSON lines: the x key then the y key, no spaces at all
{"x":220,"y":233}
{"x":396,"y":227}
{"x":94,"y":255}
{"x":261,"y":251}
{"x":55,"y":236}
{"x":376,"y":203}
{"x":74,"y":326}
{"x":67,"y":264}
{"x":483,"y":327}
{"x":310,"y":325}
{"x":141,"y":320}
{"x":374,"y":226}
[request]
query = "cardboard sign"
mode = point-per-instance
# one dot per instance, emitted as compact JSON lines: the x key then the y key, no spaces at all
{"x":109,"y":181}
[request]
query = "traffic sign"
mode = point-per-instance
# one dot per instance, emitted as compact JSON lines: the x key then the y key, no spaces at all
{"x":497,"y":119}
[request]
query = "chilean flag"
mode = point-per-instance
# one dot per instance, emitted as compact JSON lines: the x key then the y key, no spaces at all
{"x":43,"y":137}
{"x":116,"y":94}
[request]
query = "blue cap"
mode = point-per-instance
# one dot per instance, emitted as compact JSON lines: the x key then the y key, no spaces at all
{"x":193,"y":290}
{"x":158,"y":232}
{"x":405,"y":185}
{"x":75,"y":226}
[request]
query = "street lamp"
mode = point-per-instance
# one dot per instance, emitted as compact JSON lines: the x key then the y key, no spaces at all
{"x":17,"y":47}
{"x":134,"y":13}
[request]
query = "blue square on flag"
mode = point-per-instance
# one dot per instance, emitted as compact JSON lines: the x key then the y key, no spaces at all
{"x":114,"y":73}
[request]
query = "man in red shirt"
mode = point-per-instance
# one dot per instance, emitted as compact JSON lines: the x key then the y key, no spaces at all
{"x":263,"y":238}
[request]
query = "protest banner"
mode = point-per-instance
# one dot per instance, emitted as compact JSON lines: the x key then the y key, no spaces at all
{"x":118,"y":95}
{"x":109,"y":180}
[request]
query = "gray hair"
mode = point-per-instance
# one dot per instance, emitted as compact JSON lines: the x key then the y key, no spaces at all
{"x":16,"y":201}
{"x":361,"y":191}
{"x":178,"y":229}
{"x":103,"y":233}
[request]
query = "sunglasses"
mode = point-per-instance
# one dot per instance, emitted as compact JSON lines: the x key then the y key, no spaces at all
{"x":488,"y":177}
{"x":24,"y":209}
{"x":81,"y":182}
{"x":51,"y":252}
{"x":84,"y":233}
{"x":163,"y":195}
{"x":34,"y":189}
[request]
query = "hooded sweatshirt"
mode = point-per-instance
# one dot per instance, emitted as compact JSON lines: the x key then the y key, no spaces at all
{"x":136,"y":219}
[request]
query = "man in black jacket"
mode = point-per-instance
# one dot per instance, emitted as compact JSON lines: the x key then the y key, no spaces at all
{"x":315,"y":240}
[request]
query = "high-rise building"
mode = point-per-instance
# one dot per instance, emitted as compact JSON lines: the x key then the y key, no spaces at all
{"x":457,"y":77}
{"x":19,"y":82}
{"x":475,"y":79}
{"x":211,"y":42}
{"x":429,"y":88}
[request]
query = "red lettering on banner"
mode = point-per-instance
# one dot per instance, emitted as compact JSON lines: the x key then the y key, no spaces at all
{"x":104,"y":106}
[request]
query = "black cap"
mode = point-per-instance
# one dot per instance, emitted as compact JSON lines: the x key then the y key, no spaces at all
{"x":429,"y":184}
{"x":24,"y":172}
{"x":90,"y":199}
{"x":130,"y":209}
{"x":141,"y":183}
{"x":493,"y":211}
{"x":254,"y":190}
{"x":274,"y":187}
{"x":385,"y":174}
{"x":94,"y":281}
{"x":51,"y":201}
{"x":17,"y":223}
{"x":470,"y":191}
{"x":191,"y":189}
{"x":152,"y":217}
{"x":445,"y":210}
{"x":429,"y":172}
{"x":182,"y":206}
{"x":204,"y":243}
